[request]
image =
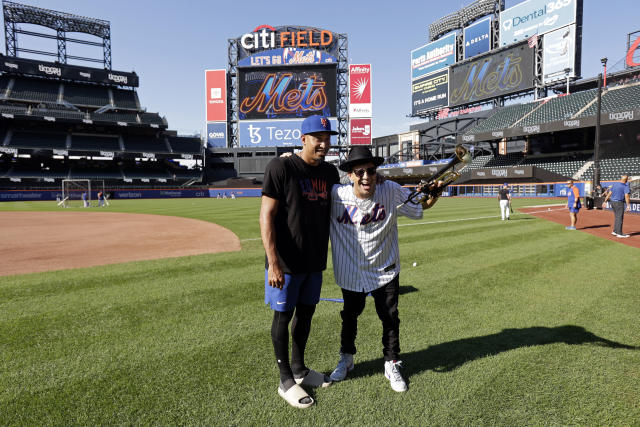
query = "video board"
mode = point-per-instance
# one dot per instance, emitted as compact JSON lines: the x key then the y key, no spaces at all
{"x":536,"y":17}
{"x":430,"y":92}
{"x":287,"y":92}
{"x":496,"y":74}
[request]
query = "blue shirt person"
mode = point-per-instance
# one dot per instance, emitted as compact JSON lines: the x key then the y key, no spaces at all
{"x":619,"y":195}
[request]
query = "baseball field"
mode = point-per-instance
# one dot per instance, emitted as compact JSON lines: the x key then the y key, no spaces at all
{"x":502,"y":323}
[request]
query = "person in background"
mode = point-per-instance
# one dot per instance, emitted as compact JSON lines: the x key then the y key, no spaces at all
{"x":573,"y":204}
{"x":504,"y":196}
{"x":619,"y":195}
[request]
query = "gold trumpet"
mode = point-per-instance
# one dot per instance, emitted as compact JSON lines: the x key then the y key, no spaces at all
{"x":449,"y":174}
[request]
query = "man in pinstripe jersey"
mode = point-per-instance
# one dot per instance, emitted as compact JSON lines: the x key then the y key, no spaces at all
{"x":366,"y":259}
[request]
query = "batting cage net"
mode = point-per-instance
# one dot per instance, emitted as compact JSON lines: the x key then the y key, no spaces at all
{"x":81,"y":192}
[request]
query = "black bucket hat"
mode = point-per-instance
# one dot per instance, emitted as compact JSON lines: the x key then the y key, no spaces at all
{"x":359,"y":154}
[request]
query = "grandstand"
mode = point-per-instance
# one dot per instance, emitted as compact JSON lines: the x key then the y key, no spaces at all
{"x":61,"y":121}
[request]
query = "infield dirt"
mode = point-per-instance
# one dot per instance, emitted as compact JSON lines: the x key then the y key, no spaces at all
{"x":596,"y":222}
{"x":44,"y":241}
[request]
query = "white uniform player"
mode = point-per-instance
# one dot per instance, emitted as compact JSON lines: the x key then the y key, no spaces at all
{"x":366,"y":258}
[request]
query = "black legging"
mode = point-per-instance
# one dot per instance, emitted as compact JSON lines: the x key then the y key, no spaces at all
{"x":300,"y":329}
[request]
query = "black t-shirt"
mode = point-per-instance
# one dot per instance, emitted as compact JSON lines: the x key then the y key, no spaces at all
{"x":302,"y":221}
{"x":504,"y":193}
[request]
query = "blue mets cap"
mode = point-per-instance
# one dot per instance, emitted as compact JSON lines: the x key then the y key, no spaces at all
{"x":314,"y":124}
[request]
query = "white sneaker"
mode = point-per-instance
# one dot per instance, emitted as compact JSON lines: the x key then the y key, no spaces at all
{"x":622,"y":235}
{"x":392,"y":372}
{"x":345,"y":364}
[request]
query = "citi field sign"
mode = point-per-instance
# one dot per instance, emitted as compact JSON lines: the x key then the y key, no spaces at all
{"x":267,"y":37}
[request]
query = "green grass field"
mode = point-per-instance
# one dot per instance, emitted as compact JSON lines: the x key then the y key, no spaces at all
{"x":503,"y":323}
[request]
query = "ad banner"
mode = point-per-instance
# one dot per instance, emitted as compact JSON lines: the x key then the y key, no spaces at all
{"x":508,"y":71}
{"x":433,"y":56}
{"x":477,"y":38}
{"x":360,"y":131}
{"x":430,"y":92}
{"x":509,"y":172}
{"x":535,"y":17}
{"x":74,"y":72}
{"x":559,"y":54}
{"x":217,"y":134}
{"x":216,"y":95}
{"x":287,"y":92}
{"x":287,"y":56}
{"x":360,"y":90}
{"x":275,"y":133}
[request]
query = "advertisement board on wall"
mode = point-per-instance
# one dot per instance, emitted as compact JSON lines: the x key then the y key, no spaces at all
{"x":287,"y":56}
{"x":430,"y":92}
{"x":216,"y":95}
{"x":508,"y":71}
{"x":360,"y":90}
{"x":56,"y":70}
{"x":360,"y":131}
{"x":433,"y":56}
{"x":217,"y":134}
{"x":274,"y":133}
{"x":535,"y":17}
{"x":477,"y":38}
{"x":559,"y":54}
{"x":286,"y":92}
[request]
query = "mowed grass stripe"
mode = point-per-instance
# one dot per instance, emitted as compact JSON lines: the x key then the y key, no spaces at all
{"x":514,"y":323}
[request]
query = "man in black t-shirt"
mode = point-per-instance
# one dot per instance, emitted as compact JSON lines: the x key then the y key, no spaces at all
{"x":505,"y":201}
{"x":294,"y":224}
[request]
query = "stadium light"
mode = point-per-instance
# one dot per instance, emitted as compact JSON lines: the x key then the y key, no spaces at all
{"x":604,"y":62}
{"x":567,"y":72}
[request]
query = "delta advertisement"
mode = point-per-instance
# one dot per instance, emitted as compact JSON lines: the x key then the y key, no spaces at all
{"x":430,"y":92}
{"x":535,"y":17}
{"x":287,"y":92}
{"x":433,"y":56}
{"x":274,"y":133}
{"x":477,"y":38}
{"x":360,"y":90}
{"x":559,"y":54}
{"x":491,"y":75}
{"x":360,"y":131}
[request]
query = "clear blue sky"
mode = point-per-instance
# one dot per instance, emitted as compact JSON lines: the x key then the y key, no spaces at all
{"x":170,"y":44}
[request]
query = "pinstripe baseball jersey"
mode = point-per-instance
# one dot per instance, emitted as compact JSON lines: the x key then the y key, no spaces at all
{"x":364,"y":235}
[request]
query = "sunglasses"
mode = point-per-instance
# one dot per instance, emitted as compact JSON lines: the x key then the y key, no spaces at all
{"x":360,"y":172}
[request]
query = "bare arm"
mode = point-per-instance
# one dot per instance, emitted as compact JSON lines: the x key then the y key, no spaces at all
{"x":627,"y":199}
{"x":268,"y":211}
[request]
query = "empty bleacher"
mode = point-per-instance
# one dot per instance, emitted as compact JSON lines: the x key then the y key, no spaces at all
{"x":94,"y":143}
{"x":185,"y":145}
{"x":86,"y":95}
{"x":34,"y":90}
{"x":559,"y":108}
{"x":125,"y":99}
{"x":115,"y":117}
{"x":45,"y":140}
{"x":151,"y":118}
{"x":147,"y":144}
{"x":504,"y":117}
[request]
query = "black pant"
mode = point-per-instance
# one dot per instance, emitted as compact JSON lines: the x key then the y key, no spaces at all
{"x":618,"y":212}
{"x":386,"y":300}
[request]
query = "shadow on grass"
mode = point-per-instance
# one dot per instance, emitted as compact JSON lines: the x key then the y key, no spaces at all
{"x":594,"y":226}
{"x":451,"y":355}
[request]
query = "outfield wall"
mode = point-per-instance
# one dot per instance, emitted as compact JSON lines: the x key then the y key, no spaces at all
{"x":52,"y":195}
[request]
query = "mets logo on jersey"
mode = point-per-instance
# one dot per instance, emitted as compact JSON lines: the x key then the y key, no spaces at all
{"x":324,"y":122}
{"x":348,"y":216}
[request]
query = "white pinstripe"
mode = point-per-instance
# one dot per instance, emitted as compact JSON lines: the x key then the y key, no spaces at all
{"x":364,"y":244}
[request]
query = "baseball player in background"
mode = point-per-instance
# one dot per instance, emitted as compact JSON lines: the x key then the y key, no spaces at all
{"x":573,"y":204}
{"x":366,"y":259}
{"x":504,"y":196}
{"x":294,"y":224}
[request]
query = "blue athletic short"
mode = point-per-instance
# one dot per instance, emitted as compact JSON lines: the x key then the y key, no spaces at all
{"x":298,"y":288}
{"x":574,"y":210}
